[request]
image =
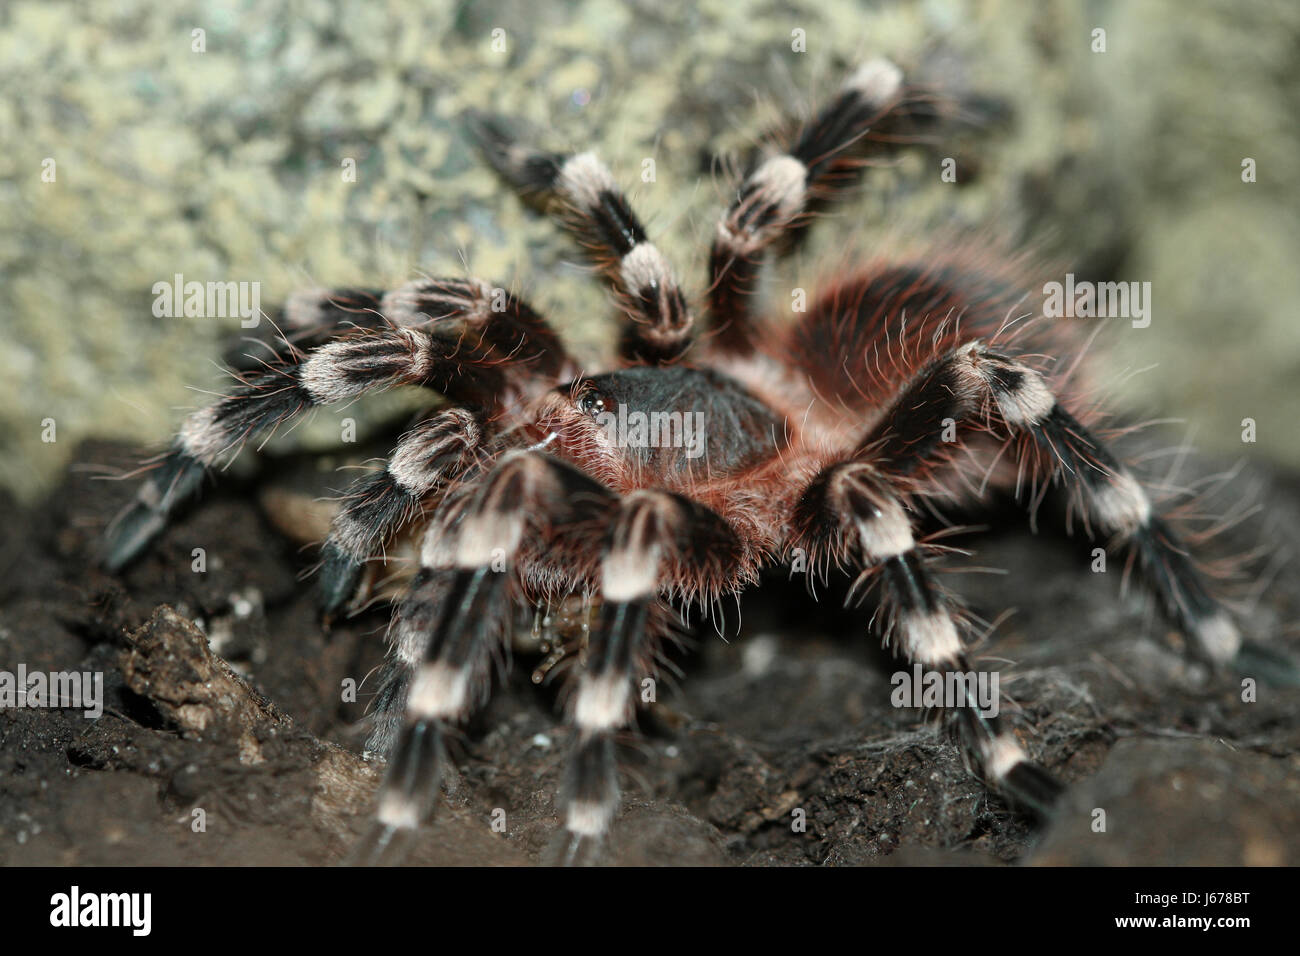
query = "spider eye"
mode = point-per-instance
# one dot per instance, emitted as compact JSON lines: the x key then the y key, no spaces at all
{"x":592,"y":403}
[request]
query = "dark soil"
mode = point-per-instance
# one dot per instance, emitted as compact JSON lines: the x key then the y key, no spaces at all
{"x":792,"y":714}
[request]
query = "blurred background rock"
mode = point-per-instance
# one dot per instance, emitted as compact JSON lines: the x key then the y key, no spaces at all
{"x":226,"y":165}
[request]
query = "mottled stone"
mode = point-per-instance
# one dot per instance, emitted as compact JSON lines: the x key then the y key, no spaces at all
{"x":227,"y":164}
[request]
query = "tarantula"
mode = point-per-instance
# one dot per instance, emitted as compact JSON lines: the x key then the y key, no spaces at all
{"x":825,"y":436}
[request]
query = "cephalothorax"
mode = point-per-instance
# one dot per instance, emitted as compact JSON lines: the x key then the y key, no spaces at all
{"x":720,"y":447}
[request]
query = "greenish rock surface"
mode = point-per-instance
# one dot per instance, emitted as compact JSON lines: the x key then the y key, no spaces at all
{"x":228,"y":165}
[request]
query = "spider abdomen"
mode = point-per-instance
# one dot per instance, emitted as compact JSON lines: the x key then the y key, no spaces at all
{"x":885,"y":322}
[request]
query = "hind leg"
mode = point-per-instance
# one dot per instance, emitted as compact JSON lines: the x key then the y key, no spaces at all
{"x":979,"y":390}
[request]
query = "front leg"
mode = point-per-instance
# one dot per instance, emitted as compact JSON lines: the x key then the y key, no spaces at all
{"x":377,"y":506}
{"x":659,"y":545}
{"x":455,"y":615}
{"x":852,"y":516}
{"x":458,"y":337}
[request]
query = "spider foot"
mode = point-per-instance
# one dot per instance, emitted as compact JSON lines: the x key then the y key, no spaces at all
{"x":1033,"y":788}
{"x":176,"y":478}
{"x":134,"y":528}
{"x":1270,"y":665}
{"x":381,"y":845}
{"x":337,"y":581}
{"x":576,"y":849}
